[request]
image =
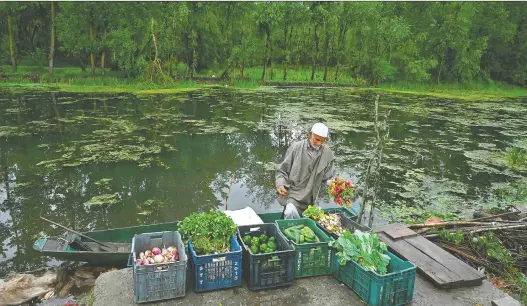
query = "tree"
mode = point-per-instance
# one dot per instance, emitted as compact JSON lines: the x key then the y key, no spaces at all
{"x":12,"y":10}
{"x":52,"y":47}
{"x":268,"y":15}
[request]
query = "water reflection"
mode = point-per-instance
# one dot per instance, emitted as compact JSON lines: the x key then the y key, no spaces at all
{"x":159,"y":158}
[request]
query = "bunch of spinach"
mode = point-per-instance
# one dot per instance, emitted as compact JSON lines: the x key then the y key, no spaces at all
{"x":364,"y":248}
{"x":209,"y":232}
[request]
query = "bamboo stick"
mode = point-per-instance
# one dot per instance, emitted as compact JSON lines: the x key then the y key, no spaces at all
{"x":450,"y":223}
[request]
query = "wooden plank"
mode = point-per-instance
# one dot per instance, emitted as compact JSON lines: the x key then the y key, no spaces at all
{"x":470,"y":275}
{"x":397,"y":231}
{"x":426,"y":266}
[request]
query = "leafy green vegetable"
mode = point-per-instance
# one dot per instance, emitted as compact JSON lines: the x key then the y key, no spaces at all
{"x":364,"y":248}
{"x":313,"y":212}
{"x":214,"y":226}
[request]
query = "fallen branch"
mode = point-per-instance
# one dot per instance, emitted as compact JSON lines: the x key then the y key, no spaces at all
{"x":450,"y":223}
{"x":497,"y":228}
{"x":462,"y":253}
{"x":495,"y":216}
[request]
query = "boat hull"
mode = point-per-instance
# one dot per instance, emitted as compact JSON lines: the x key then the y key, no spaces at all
{"x":117,"y":235}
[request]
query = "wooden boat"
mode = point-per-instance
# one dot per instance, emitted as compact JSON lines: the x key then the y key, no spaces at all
{"x":59,"y":248}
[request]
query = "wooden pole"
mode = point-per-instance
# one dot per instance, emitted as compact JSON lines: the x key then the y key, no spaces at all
{"x":110,"y":248}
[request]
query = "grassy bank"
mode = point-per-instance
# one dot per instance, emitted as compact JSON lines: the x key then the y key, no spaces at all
{"x":73,"y":79}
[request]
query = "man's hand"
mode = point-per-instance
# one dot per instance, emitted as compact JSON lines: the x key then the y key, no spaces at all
{"x":282,"y":190}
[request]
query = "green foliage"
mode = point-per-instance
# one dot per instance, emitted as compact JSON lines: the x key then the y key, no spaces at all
{"x":212,"y":231}
{"x":352,"y":42}
{"x":364,"y":248}
{"x":456,"y":237}
{"x":494,"y":249}
{"x":516,"y":157}
{"x":313,"y":212}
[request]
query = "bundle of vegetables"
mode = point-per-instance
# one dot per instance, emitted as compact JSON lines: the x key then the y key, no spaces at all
{"x":157,"y":255}
{"x":210,"y":232}
{"x":341,"y":192}
{"x":364,"y":248}
{"x":300,"y":234}
{"x":260,"y":244}
{"x":331,"y":222}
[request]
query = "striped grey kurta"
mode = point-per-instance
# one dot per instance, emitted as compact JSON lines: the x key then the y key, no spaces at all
{"x":302,"y":173}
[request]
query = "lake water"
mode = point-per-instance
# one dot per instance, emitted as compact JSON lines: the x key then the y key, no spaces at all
{"x":94,"y":161}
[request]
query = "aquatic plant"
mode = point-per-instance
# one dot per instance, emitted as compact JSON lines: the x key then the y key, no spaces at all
{"x":516,"y":157}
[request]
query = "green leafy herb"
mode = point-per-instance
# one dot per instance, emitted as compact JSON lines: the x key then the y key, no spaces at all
{"x":209,"y":232}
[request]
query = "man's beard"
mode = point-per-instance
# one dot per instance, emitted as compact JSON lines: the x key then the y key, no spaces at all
{"x":313,"y":145}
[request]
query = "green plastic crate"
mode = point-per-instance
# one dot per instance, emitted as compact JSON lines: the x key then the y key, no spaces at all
{"x":311,"y":259}
{"x":392,"y":289}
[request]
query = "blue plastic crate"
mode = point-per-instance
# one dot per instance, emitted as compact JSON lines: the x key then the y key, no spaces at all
{"x":158,"y":281}
{"x":217,"y":271}
{"x":392,"y":289}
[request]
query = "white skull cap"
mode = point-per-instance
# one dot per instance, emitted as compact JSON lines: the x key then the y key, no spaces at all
{"x":320,"y":129}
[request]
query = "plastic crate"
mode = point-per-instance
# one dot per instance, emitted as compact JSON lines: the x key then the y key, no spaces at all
{"x":158,"y":281}
{"x":261,"y":271}
{"x":311,"y":259}
{"x":347,"y":224}
{"x":218,"y":271}
{"x":347,"y":212}
{"x":392,"y":289}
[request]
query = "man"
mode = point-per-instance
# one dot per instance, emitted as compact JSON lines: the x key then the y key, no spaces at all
{"x":307,"y":163}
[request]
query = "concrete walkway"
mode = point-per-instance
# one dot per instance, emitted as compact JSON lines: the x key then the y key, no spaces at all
{"x":116,"y":288}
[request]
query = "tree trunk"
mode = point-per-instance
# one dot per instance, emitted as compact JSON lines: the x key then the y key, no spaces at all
{"x":241,"y":71}
{"x":11,"y":42}
{"x":267,"y":39}
{"x":103,"y":56}
{"x":439,"y":72}
{"x":52,"y":48}
{"x":315,"y":56}
{"x":92,"y":55}
{"x":326,"y":56}
{"x":83,"y":66}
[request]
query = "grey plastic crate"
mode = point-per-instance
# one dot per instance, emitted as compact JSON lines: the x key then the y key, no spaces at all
{"x":159,"y":281}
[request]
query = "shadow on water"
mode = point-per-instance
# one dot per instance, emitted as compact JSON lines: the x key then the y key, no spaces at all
{"x":97,"y":161}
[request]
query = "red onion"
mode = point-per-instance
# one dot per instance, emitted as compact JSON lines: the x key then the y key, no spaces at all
{"x":156,"y":251}
{"x":142,"y":255}
{"x":175,"y":257}
{"x":164,"y":252}
{"x":148,"y":253}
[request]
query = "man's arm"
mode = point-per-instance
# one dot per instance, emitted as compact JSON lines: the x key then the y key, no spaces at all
{"x":282,"y":173}
{"x":329,"y":173}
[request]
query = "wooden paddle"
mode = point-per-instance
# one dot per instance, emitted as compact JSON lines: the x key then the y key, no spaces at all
{"x":104,"y":247}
